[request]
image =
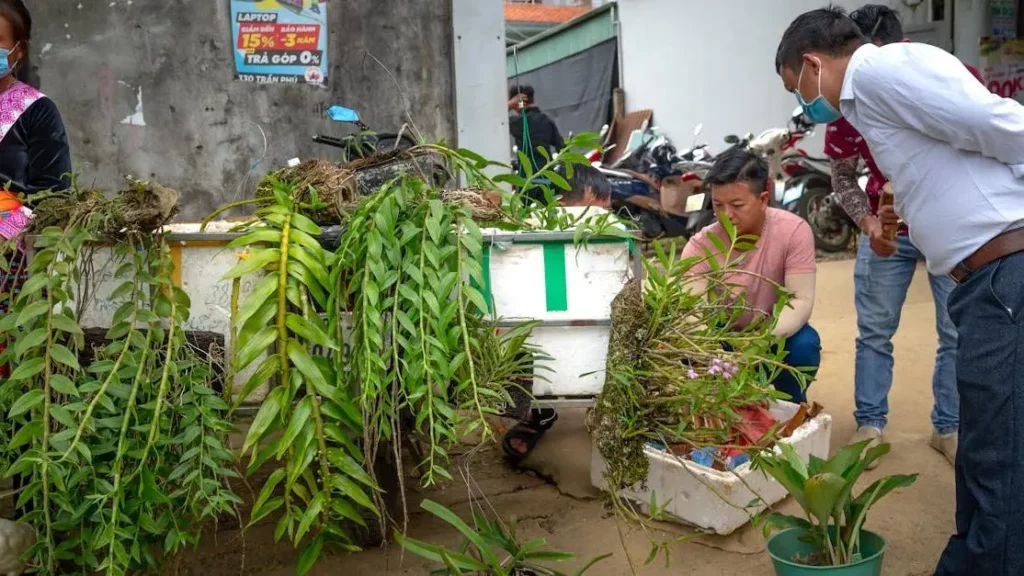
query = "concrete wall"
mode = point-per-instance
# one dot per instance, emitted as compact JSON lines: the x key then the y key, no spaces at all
{"x":101,"y":61}
{"x":713,"y":62}
{"x":479,"y":30}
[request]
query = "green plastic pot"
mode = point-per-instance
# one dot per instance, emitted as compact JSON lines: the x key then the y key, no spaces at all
{"x":786,"y":545}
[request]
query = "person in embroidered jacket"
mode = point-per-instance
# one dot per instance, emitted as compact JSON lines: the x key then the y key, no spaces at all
{"x":34,"y":151}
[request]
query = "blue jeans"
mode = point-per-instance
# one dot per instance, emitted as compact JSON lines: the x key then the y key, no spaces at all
{"x":880,"y":288}
{"x":803,"y":350}
{"x":988,"y":310}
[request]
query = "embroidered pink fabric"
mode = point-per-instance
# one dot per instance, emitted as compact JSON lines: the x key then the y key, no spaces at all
{"x":13,"y":103}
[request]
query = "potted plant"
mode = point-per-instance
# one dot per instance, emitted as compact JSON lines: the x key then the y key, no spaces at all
{"x":491,"y":548}
{"x":831,"y":538}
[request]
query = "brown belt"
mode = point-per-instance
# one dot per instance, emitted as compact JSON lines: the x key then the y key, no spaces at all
{"x":1003,"y":245}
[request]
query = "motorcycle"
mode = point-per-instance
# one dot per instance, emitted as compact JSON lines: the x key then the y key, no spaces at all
{"x":818,"y":204}
{"x":659,"y":188}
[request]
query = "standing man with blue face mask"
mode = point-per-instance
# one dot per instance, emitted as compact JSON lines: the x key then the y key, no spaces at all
{"x":954,"y":154}
{"x":883,"y":273}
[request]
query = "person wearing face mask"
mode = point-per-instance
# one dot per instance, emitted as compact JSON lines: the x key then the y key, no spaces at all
{"x":883,"y":273}
{"x":954,"y":154}
{"x":34,"y":152}
{"x":783,"y":255}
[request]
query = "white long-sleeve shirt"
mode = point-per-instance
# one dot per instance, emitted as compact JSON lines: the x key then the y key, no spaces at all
{"x":953,"y":151}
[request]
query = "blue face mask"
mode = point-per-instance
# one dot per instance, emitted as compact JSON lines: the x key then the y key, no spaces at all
{"x":819,"y":110}
{"x":5,"y":65}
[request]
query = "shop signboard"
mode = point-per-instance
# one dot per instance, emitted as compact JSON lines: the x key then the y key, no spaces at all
{"x":280,"y":41}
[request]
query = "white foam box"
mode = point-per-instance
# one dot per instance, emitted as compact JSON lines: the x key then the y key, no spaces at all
{"x":713,"y":500}
{"x":524,"y":271}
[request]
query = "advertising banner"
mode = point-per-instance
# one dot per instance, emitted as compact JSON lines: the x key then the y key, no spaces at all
{"x":1002,"y":67}
{"x":280,"y":41}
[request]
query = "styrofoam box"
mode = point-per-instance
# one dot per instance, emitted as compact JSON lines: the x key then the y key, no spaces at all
{"x":594,"y":276}
{"x":203,"y":265}
{"x":714,"y":500}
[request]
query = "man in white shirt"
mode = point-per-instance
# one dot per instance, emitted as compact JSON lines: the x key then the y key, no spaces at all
{"x":954,"y":153}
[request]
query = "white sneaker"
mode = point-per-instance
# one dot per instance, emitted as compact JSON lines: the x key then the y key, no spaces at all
{"x":868,"y":433}
{"x":946,"y":444}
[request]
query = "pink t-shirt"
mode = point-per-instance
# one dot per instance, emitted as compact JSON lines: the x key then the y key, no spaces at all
{"x":786,"y":247}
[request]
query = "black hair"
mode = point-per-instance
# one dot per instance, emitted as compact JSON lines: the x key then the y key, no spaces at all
{"x":827,"y":30}
{"x":739,"y":165}
{"x":15,"y":12}
{"x":524,"y":89}
{"x":583,"y":176}
{"x":879,"y":23}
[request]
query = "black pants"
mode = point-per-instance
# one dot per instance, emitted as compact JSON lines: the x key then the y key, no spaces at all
{"x":988,"y":310}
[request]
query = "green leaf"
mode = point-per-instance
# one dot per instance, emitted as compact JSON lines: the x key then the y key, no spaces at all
{"x":472,"y":535}
{"x":349,"y":466}
{"x":433,"y":553}
{"x":65,"y":324}
{"x":260,"y":295}
{"x":315,"y":267}
{"x":309,"y":369}
{"x":297,"y":422}
{"x":353,"y":492}
{"x":267,"y":415}
{"x":309,"y":556}
{"x":150,"y":491}
{"x":254,"y":347}
{"x":306,"y":330}
{"x":316,"y":505}
{"x":25,"y":434}
{"x":61,"y":354}
{"x":267,"y":369}
{"x":305,"y":224}
{"x":591,"y":564}
{"x":822,"y":492}
{"x":28,"y":369}
{"x":29,"y":341}
{"x":557,"y":180}
{"x":63,"y":385}
{"x":254,"y":262}
{"x":258,"y":236}
{"x":32,"y":311}
{"x":27,"y":402}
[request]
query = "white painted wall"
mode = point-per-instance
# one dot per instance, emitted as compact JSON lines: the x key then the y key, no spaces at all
{"x":480,"y":83}
{"x":713,"y":61}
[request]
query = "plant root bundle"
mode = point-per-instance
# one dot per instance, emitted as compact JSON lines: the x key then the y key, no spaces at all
{"x":335,"y":189}
{"x":141,"y":207}
{"x":625,"y":458}
{"x":484,"y":205}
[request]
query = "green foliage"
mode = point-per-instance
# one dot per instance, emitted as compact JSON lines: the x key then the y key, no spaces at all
{"x":122,"y":457}
{"x":490,"y":548}
{"x":824,"y":489}
{"x":678,"y":369}
{"x":307,"y":421}
{"x":401,"y":307}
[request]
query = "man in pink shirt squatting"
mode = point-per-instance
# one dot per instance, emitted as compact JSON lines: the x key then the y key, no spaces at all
{"x":783,"y":254}
{"x":883,"y":274}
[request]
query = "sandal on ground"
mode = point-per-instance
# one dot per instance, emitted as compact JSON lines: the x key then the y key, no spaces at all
{"x":529,"y":433}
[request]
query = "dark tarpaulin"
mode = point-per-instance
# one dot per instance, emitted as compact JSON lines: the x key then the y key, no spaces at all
{"x":575,"y":92}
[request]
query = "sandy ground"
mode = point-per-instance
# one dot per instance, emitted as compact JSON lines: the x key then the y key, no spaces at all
{"x":564,"y":510}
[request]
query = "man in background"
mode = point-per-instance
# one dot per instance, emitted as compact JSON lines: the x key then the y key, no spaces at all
{"x":783,"y":255}
{"x":883,"y":274}
{"x":540,"y":130}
